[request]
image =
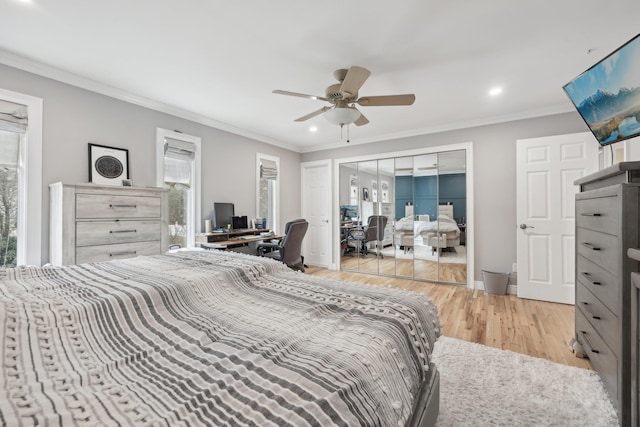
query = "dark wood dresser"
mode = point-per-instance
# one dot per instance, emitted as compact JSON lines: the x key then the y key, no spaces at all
{"x":634,"y":254}
{"x":607,"y":217}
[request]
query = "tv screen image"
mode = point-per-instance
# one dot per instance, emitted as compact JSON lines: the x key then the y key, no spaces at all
{"x":607,"y":95}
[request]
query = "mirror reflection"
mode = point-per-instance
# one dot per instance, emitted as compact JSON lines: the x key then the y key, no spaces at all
{"x":405,"y":216}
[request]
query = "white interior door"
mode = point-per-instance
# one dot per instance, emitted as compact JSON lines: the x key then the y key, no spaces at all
{"x":546,"y":169}
{"x":316,"y":208}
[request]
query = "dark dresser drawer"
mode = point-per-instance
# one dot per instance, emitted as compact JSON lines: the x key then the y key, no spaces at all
{"x":601,"y":248}
{"x":601,"y":318}
{"x":599,"y":214}
{"x":604,"y":285}
{"x":602,"y":358}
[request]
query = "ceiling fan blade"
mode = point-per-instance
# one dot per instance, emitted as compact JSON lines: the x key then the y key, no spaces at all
{"x":374,"y":101}
{"x":362,"y":120}
{"x":355,"y":78}
{"x":310,"y":115}
{"x":301,"y":95}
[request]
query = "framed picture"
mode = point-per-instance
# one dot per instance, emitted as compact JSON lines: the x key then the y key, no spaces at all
{"x":108,"y":165}
{"x":365,"y":194}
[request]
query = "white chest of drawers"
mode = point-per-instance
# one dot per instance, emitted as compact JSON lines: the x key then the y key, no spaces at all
{"x":91,"y":223}
{"x":607,"y":224}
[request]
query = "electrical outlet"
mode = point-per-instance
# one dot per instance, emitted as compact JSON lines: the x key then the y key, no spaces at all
{"x":514,"y":267}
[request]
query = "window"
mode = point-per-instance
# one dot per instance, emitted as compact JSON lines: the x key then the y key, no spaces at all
{"x":9,"y":154}
{"x":267,"y":189}
{"x":178,"y":166}
{"x":21,"y":179}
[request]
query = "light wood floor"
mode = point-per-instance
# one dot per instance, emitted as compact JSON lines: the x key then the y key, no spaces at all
{"x":539,"y":329}
{"x":427,"y":270}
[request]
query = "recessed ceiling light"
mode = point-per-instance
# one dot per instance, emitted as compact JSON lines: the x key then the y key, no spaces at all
{"x":313,"y":129}
{"x":495,"y":91}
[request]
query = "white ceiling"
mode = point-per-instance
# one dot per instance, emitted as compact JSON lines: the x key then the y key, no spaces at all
{"x":218,"y":61}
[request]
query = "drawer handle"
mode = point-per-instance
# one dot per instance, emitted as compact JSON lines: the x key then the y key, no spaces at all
{"x":584,"y":335}
{"x":591,"y":214}
{"x":588,"y":277}
{"x":593,"y":316}
{"x":122,"y":253}
{"x":590,"y":246}
{"x":122,"y":231}
{"x":123,"y":206}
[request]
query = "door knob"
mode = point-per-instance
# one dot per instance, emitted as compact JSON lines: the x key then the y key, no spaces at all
{"x":325,"y":220}
{"x":525,"y":226}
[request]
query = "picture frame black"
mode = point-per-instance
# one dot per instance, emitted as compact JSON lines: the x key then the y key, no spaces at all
{"x":108,"y":165}
{"x":365,"y":194}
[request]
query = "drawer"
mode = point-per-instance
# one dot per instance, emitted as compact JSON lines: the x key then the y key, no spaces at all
{"x":601,"y":357}
{"x":90,"y":206}
{"x":604,"y":285}
{"x":601,"y":318}
{"x":118,"y":251}
{"x":90,"y":233}
{"x":600,"y":214}
{"x":603,"y":249}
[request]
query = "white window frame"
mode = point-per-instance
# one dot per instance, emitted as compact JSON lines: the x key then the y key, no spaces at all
{"x":194,"y":195}
{"x":29,"y":250}
{"x":276,"y":208}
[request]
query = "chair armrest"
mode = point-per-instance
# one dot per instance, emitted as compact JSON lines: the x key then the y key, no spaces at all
{"x":265,"y":247}
{"x":268,"y":245}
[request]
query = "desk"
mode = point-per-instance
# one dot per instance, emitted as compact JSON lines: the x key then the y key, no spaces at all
{"x":240,"y":243}
{"x":226,"y":235}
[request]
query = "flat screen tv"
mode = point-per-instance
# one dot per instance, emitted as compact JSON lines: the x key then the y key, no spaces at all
{"x":607,"y":95}
{"x":223,"y":214}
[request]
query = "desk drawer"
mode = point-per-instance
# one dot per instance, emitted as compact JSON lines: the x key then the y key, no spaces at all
{"x":599,"y":214}
{"x":602,"y":358}
{"x":604,"y":285}
{"x":90,"y":233}
{"x":90,"y":206}
{"x":117,"y":251}
{"x":601,"y":318}
{"x":601,"y":248}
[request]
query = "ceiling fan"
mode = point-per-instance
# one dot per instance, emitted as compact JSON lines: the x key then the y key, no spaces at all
{"x":344,"y":96}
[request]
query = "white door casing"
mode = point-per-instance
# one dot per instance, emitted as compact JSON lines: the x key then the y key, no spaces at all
{"x":316,"y":209}
{"x":545,"y":193}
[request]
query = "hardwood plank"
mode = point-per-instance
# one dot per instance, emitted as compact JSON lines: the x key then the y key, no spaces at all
{"x":537,"y":328}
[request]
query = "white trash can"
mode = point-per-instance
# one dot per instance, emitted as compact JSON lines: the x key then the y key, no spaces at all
{"x":495,"y":283}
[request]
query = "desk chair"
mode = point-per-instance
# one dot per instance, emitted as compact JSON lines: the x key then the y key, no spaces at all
{"x":288,"y":251}
{"x":374,"y":231}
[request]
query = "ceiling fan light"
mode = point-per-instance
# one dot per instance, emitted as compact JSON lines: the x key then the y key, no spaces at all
{"x":342,"y":115}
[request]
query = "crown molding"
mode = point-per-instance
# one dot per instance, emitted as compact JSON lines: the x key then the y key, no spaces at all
{"x":35,"y":67}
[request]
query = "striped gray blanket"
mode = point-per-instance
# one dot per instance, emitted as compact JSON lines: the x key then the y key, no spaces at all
{"x":207,"y":338}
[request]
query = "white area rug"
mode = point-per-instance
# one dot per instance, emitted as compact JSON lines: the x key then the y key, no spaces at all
{"x":484,"y":386}
{"x":419,"y":251}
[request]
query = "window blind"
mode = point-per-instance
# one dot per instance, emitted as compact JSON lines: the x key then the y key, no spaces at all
{"x":178,"y":158}
{"x":13,"y":117}
{"x":9,"y":149}
{"x":268,"y":169}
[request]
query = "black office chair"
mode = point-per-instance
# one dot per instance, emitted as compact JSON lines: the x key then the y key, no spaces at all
{"x":289,"y":249}
{"x":374,"y":231}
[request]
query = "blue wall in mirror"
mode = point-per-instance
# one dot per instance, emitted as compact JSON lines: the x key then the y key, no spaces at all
{"x":422,"y":191}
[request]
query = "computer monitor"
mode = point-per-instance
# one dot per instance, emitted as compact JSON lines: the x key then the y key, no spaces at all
{"x":239,"y":222}
{"x":222,"y":214}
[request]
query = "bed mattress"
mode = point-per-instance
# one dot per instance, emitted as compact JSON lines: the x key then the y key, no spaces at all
{"x":208,"y":338}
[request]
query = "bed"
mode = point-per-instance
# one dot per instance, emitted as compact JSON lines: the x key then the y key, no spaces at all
{"x":211,"y":338}
{"x":439,"y":234}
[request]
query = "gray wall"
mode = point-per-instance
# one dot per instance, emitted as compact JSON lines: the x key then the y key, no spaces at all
{"x":74,"y":117}
{"x":494,"y":179}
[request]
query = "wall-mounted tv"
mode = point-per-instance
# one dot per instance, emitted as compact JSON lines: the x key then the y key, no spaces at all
{"x":607,"y":95}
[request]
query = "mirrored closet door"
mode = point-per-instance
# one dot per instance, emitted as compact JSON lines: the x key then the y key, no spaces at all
{"x":405,"y":216}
